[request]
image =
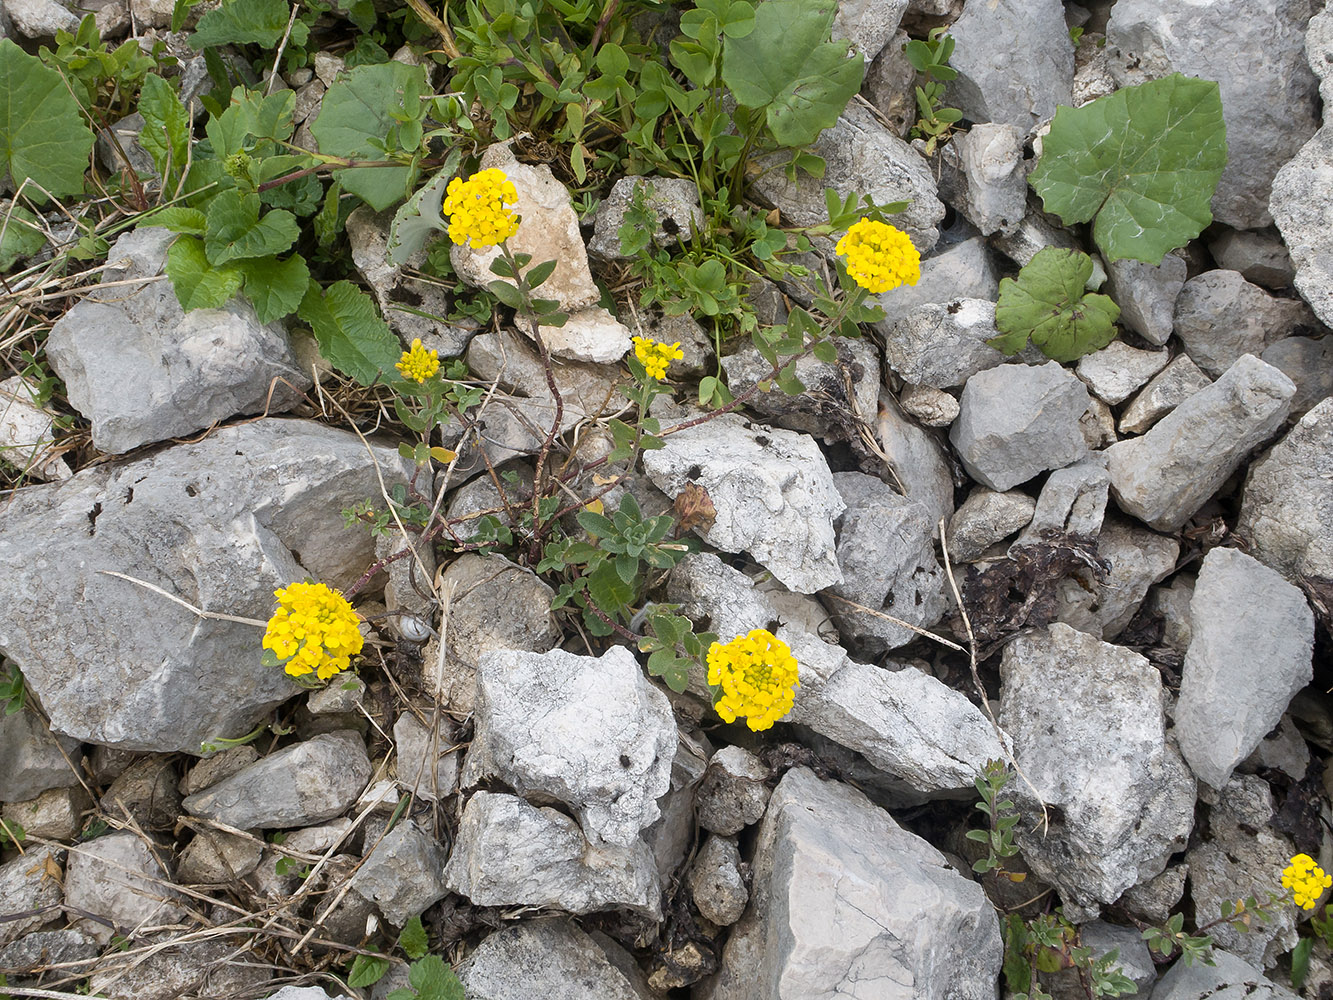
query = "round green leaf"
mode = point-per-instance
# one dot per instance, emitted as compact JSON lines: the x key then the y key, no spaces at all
{"x":1143,"y":161}
{"x":1048,"y":303}
{"x":42,"y":135}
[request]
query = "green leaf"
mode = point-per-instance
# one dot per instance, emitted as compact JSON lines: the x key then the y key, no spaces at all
{"x":413,"y":939}
{"x":538,"y":275}
{"x":42,"y":134}
{"x":434,"y":980}
{"x":357,"y":113}
{"x":236,"y":231}
{"x":22,"y":235}
{"x":1048,"y":303}
{"x":276,"y":287}
{"x":788,"y":67}
{"x":350,"y":332}
{"x":1300,"y":962}
{"x":419,"y":219}
{"x":166,"y":131}
{"x":1143,"y":161}
{"x":608,"y":591}
{"x":189,"y":221}
{"x":239,"y":22}
{"x":198,"y":283}
{"x":367,"y":970}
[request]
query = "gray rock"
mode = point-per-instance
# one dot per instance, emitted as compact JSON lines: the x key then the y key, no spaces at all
{"x":1097,"y":425}
{"x":1149,"y":39}
{"x":211,"y":770}
{"x":394,"y":289}
{"x":673,"y":836}
{"x":943,"y":344}
{"x":1092,"y":69}
{"x":56,"y":814}
{"x":1017,"y":421}
{"x":1319,"y":52}
{"x":1242,"y":613}
{"x":26,"y":885}
{"x":1283,"y":749}
{"x":1166,"y":475}
{"x":1176,"y":383}
{"x":549,"y":958}
{"x":429,"y":775}
{"x":1173,"y":605}
{"x":933,"y":407}
{"x":42,"y":948}
{"x":1071,"y":503}
{"x":1286,"y":513}
{"x":1089,"y":733}
{"x":985,"y":518}
{"x":868,"y":24}
{"x":1309,"y":364}
{"x":303,"y":784}
{"x":994,"y":84}
{"x":1154,"y":900}
{"x":591,"y":334}
{"x":189,"y":968}
{"x":1228,"y":978}
{"x":40,"y":18}
{"x":1134,"y":960}
{"x":990,"y":157}
{"x":733,"y":793}
{"x":27,"y":429}
{"x":496,"y":605}
{"x":217,"y":523}
{"x":888,"y":564}
{"x":847,"y":903}
{"x":916,"y":458}
{"x":146,"y":792}
{"x":119,"y":149}
{"x":1239,"y":859}
{"x":1220,"y":317}
{"x":35,"y":759}
{"x":1306,"y":222}
{"x":549,"y":231}
{"x":304,"y":992}
{"x":1032,"y":235}
{"x":590,"y":732}
{"x":889,"y":85}
{"x":826,"y":409}
{"x":403,"y":874}
{"x":118,"y":878}
{"x":1146,"y":294}
{"x":1103,"y":606}
{"x":217,"y":858}
{"x":963,"y":271}
{"x":773,"y":492}
{"x":143,"y":370}
{"x":1117,"y":370}
{"x":342,"y":697}
{"x":1259,"y":256}
{"x":861,"y":155}
{"x":511,"y":853}
{"x":674,"y":203}
{"x":715,"y":882}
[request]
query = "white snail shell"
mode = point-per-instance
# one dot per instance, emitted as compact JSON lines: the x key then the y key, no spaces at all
{"x":413,"y":629}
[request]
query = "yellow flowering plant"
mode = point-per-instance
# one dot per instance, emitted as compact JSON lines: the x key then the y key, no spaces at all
{"x":1306,"y":880}
{"x":880,"y":257}
{"x":753,"y":677}
{"x":313,"y":630}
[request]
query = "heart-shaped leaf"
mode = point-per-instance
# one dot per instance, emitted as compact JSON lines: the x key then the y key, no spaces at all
{"x":42,"y":134}
{"x":1048,"y":302}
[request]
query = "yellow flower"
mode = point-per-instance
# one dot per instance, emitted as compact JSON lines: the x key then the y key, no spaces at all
{"x":879,"y":257}
{"x":478,"y":209}
{"x":314,"y":630}
{"x":757,"y":675}
{"x":1306,"y":880}
{"x":418,"y":364}
{"x":655,"y":356}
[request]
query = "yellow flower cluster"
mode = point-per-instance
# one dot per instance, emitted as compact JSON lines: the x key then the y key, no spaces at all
{"x":1306,"y":880}
{"x":879,"y":256}
{"x":656,"y":357}
{"x":418,"y":364}
{"x":478,"y":208}
{"x":314,"y":630}
{"x":757,"y":675}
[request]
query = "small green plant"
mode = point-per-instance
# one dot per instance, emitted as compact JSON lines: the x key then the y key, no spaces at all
{"x":430,"y":977}
{"x":1049,"y":303}
{"x":1048,"y":944}
{"x":106,"y":80}
{"x":673,"y":647}
{"x":1002,"y":817}
{"x":930,"y":58}
{"x":1141,"y":165}
{"x":13,"y":693}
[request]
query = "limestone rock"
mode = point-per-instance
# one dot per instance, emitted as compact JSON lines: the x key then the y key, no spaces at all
{"x":1220,"y":317}
{"x":591,"y":334}
{"x":1137,"y":557}
{"x":1174,"y":384}
{"x":916,"y":458}
{"x":1228,"y":978}
{"x":985,"y":518}
{"x":990,"y":157}
{"x":56,"y":814}
{"x":1309,"y":364}
{"x":1117,"y":370}
{"x":142,"y":370}
{"x":35,"y":758}
{"x":944,"y":344}
{"x":403,"y":874}
{"x":1306,"y":222}
{"x":963,"y":271}
{"x":550,"y":958}
{"x":116,"y":876}
{"x":715,"y":882}
{"x":933,"y":407}
{"x":1242,"y":614}
{"x":26,"y":432}
{"x":1260,"y":256}
{"x":674,"y":203}
{"x":1146,"y":294}
{"x":26,"y":885}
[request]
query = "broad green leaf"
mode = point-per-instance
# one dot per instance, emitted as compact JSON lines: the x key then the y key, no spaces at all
{"x":177,"y":218}
{"x":166,"y":131}
{"x":21,"y":235}
{"x":788,"y":67}
{"x":357,"y":113}
{"x":350,"y":332}
{"x":1143,"y":161}
{"x":434,"y":980}
{"x":367,"y":970}
{"x":276,"y":287}
{"x":236,"y":231}
{"x":198,"y":284}
{"x":237,"y":22}
{"x":413,"y":939}
{"x":1049,"y":303}
{"x":42,"y":135}
{"x":418,"y":219}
